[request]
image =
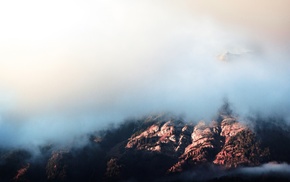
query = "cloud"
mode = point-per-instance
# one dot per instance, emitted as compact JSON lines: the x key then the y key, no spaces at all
{"x":267,"y":169}
{"x":82,"y":65}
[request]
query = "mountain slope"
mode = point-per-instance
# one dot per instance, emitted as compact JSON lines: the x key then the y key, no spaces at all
{"x":158,"y":147}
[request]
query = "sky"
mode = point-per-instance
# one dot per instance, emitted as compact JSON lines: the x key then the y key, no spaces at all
{"x":69,"y":67}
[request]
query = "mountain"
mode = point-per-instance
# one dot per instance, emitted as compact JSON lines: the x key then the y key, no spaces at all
{"x":161,"y":148}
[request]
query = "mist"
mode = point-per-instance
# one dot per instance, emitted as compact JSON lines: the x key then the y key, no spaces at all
{"x":72,"y":67}
{"x":267,"y":168}
{"x":270,"y":170}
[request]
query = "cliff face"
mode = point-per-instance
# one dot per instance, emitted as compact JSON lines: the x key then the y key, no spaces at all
{"x":151,"y":148}
{"x":240,"y":147}
{"x":227,"y":143}
{"x":169,"y":138}
{"x":205,"y":141}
